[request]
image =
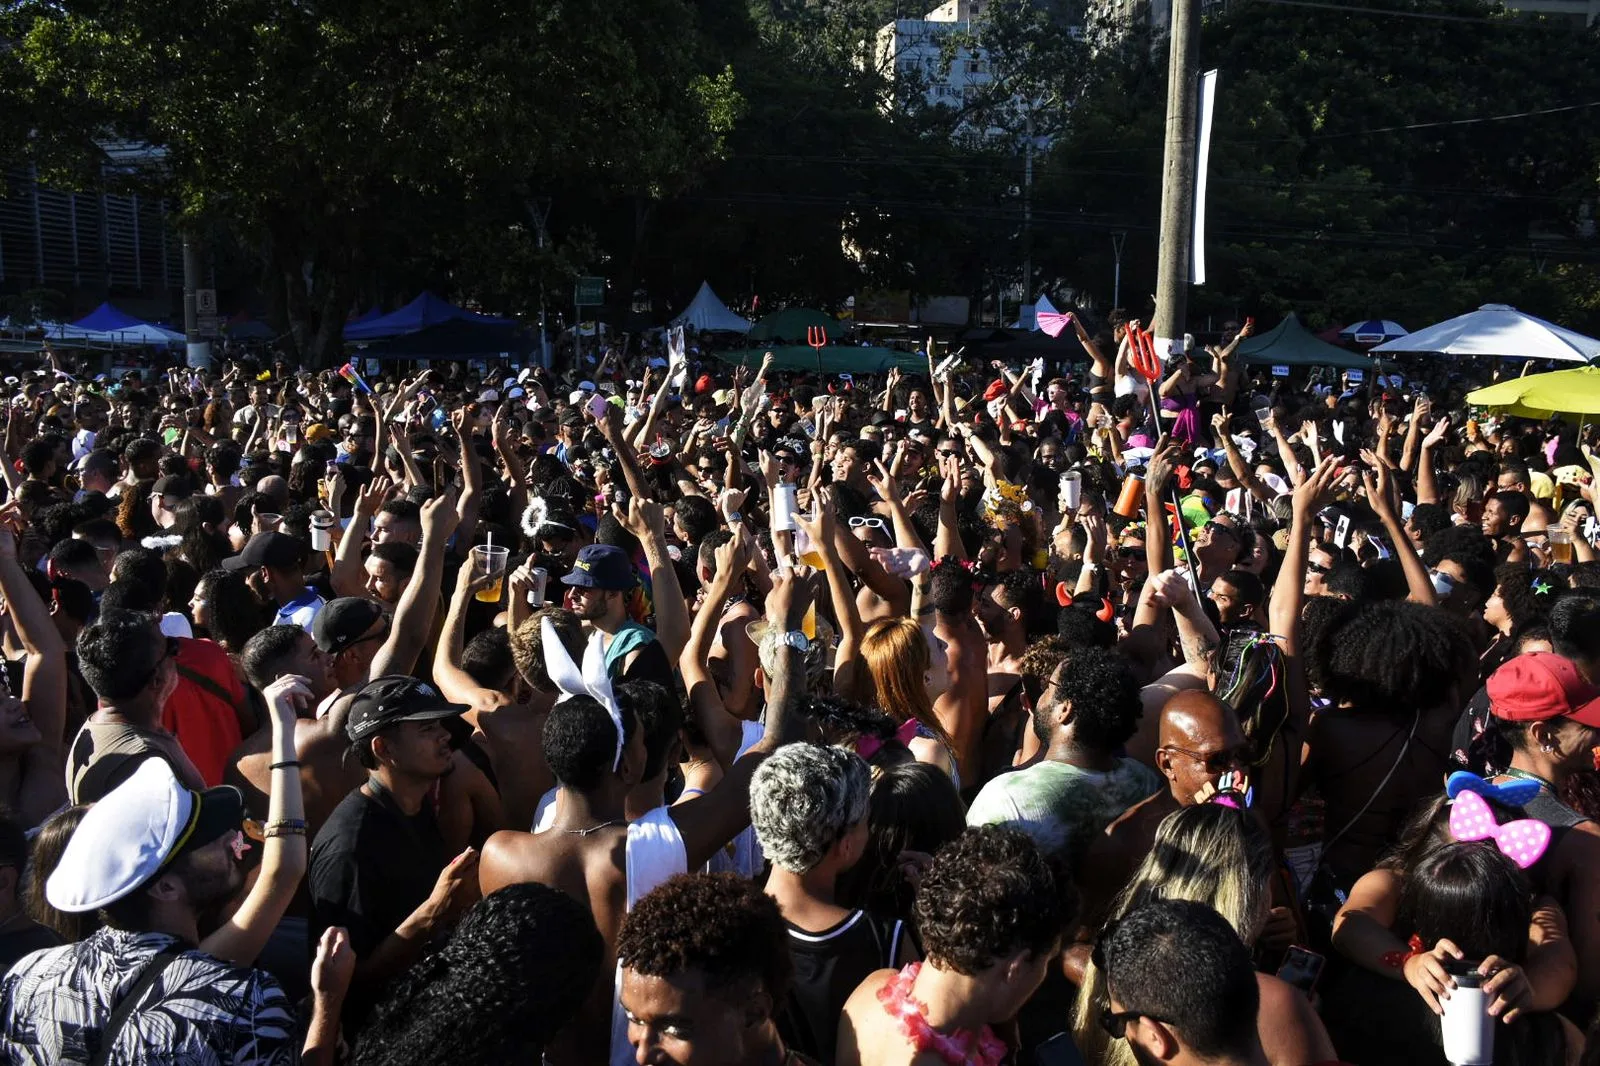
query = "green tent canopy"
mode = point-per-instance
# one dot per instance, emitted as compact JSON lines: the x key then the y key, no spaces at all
{"x":791,"y":324}
{"x":1291,"y":344}
{"x":833,"y":359}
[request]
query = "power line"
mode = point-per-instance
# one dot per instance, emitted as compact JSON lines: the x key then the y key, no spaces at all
{"x":1433,"y":16}
{"x":1418,"y":125}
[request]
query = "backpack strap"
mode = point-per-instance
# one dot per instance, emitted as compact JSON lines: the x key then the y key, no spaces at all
{"x":124,"y":1007}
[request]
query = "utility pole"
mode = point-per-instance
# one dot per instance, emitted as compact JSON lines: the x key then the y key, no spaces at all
{"x":1027,"y":220}
{"x":1117,"y":240}
{"x":198,"y":350}
{"x":1177,"y":178}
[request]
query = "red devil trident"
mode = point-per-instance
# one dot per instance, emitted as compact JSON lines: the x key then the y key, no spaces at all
{"x":817,"y":338}
{"x":1147,"y":363}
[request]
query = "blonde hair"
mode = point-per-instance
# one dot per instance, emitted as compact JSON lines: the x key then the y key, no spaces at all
{"x":1208,"y":853}
{"x":896,"y":653}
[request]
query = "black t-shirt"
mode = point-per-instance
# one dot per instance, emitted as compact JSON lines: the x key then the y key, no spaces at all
{"x":31,"y":937}
{"x":828,"y":967}
{"x":371,"y":866}
{"x":649,"y":664}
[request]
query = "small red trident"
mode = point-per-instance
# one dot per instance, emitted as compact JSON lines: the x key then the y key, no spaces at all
{"x":817,"y":338}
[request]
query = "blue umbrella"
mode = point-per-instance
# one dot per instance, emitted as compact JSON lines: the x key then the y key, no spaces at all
{"x":1372,"y":331}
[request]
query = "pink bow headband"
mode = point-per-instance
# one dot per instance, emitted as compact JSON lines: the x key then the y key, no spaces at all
{"x":1522,"y":841}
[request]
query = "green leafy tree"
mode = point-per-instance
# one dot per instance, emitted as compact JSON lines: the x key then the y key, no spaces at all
{"x":343,"y":142}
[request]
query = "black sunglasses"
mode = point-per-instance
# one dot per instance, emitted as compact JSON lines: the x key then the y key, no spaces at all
{"x":170,"y":651}
{"x":1212,"y":527}
{"x":1115,"y":1023}
{"x":1317,"y":568}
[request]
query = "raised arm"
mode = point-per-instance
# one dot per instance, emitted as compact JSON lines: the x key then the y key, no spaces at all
{"x":1241,"y":469}
{"x":1157,"y":533}
{"x":413,"y":616}
{"x":44,"y":680}
{"x":454,"y":682}
{"x":647,"y":521}
{"x":708,"y":822}
{"x":849,"y":676}
{"x":1427,"y":484}
{"x":947,"y":540}
{"x":347,"y":576}
{"x":242,"y":936}
{"x":627,"y":458}
{"x":721,"y":729}
{"x":1379,"y":483}
{"x":471,"y":500}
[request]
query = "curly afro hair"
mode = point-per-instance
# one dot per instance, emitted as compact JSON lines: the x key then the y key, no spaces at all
{"x":719,"y":925}
{"x":1527,"y":594}
{"x":1390,"y":658}
{"x":1467,"y":547}
{"x":990,"y":894}
{"x":517,"y":969}
{"x":1104,"y":695}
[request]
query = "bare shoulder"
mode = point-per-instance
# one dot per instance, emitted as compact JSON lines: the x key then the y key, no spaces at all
{"x":866,"y":992}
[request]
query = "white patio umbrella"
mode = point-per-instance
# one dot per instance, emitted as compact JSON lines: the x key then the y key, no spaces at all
{"x":1498,"y":329}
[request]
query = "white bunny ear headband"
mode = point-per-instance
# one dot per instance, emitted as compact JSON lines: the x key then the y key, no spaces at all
{"x":592,"y":681}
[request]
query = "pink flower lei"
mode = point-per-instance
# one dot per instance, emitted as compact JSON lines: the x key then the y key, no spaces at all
{"x":960,"y":1048}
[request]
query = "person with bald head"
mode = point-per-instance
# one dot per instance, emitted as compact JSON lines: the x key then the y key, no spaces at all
{"x":1199,"y":741}
{"x":275,"y":487}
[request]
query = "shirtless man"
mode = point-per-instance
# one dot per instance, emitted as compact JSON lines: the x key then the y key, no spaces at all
{"x":593,"y":853}
{"x":1200,"y":740}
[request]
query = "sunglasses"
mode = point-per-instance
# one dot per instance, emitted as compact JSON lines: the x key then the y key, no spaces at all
{"x":1318,"y":568}
{"x":1115,"y":1023}
{"x":1128,"y":551}
{"x":170,"y":651}
{"x":1216,"y":762}
{"x":948,"y":452}
{"x":1214,"y":527}
{"x":870,"y":523}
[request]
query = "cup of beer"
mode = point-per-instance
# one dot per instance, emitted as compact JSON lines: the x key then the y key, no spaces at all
{"x":1560,"y":542}
{"x":489,"y":560}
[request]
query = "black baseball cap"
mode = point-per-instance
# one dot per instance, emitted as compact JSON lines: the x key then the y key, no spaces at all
{"x":343,"y":622}
{"x":394,"y":698}
{"x":173,"y":485}
{"x":277,"y":551}
{"x":602,"y":566}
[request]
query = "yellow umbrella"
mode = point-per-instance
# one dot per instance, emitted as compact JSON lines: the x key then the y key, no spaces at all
{"x":1574,"y":391}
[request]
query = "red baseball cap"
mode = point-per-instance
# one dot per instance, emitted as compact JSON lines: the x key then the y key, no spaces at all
{"x":996,"y":390}
{"x":1541,"y":685}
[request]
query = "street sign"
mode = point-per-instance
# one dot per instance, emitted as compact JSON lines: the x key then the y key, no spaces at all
{"x":209,"y":325}
{"x":589,"y":292}
{"x":205,"y":301}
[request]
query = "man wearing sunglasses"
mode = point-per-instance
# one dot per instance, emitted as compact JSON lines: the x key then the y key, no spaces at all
{"x":1199,"y":741}
{"x":1206,"y":1016}
{"x":132,"y":668}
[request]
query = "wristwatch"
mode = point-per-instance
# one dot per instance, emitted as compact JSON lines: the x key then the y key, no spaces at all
{"x":796,"y":640}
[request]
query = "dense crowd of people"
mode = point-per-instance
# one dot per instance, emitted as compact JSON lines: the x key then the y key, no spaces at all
{"x":664,"y":711}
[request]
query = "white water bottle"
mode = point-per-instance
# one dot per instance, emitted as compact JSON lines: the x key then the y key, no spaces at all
{"x":1466,"y":1026}
{"x":783,"y":506}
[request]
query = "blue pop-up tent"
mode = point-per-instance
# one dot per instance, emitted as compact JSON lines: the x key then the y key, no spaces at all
{"x":112,"y":325}
{"x":426,"y":310}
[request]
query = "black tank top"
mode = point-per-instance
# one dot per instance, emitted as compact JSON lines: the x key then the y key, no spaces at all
{"x":828,"y":967}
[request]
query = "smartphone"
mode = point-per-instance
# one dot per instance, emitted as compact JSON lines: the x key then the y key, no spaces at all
{"x":597,"y":406}
{"x":1407,"y":508}
{"x":332,"y":471}
{"x":1301,"y":967}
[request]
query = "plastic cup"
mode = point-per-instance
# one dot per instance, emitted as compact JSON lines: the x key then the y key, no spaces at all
{"x":1560,"y":542}
{"x":489,"y":560}
{"x":321,"y":531}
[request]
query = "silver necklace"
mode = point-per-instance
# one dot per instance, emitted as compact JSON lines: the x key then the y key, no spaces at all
{"x":591,"y":829}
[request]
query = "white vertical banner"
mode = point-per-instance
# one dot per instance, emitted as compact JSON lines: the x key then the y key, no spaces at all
{"x":1202,"y":162}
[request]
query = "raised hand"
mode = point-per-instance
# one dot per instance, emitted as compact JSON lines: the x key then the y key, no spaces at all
{"x":334,"y":965}
{"x":288,"y":695}
{"x":643,"y":518}
{"x":373,"y":496}
{"x":1316,"y":492}
{"x":1436,"y":434}
{"x":439,"y":517}
{"x":819,"y":527}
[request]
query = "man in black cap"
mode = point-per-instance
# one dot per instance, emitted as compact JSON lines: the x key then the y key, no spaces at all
{"x":276,"y":565}
{"x":166,"y":494}
{"x":351,"y":630}
{"x":379,"y":865}
{"x":601,"y":580}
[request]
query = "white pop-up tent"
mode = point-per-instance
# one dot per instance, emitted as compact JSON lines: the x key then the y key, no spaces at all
{"x":1498,"y":329}
{"x":707,"y":314}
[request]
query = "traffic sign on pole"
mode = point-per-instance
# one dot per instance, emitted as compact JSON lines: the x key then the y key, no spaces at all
{"x":589,"y":292}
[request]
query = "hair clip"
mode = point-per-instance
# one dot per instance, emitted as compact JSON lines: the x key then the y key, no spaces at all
{"x":1511,"y":793}
{"x":1522,"y":841}
{"x":1540,"y":586}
